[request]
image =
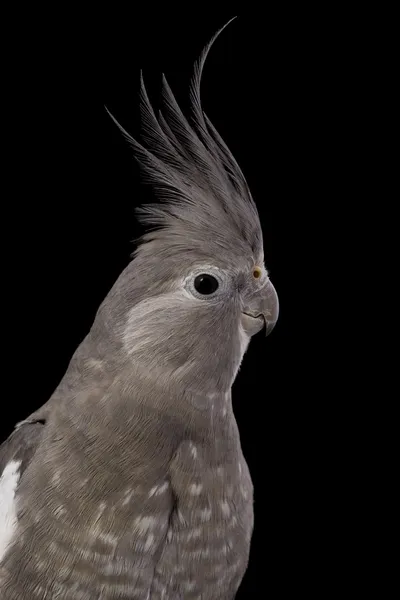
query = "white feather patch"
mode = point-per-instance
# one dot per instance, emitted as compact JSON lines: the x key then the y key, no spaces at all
{"x":244,"y":341}
{"x":8,"y":511}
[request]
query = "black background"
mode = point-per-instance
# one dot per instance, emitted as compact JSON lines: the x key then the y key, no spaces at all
{"x":279,"y":87}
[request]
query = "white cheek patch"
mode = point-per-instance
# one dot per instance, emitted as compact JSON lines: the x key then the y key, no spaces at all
{"x":145,"y":319}
{"x":244,"y":341}
{"x":8,"y":510}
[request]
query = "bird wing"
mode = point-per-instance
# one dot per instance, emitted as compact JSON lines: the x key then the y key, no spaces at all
{"x":16,"y":452}
{"x":21,"y":445}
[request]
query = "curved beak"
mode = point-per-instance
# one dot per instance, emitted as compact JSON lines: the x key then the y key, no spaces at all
{"x":262,"y":310}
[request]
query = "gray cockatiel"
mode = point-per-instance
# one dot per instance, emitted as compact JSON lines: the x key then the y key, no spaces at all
{"x":130,"y":482}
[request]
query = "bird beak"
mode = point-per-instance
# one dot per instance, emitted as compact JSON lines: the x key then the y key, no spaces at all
{"x":262,"y":310}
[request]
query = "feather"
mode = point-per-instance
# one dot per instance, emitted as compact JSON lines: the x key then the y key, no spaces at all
{"x":202,"y":189}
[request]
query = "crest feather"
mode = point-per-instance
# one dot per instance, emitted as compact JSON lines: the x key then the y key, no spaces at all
{"x":203,"y":192}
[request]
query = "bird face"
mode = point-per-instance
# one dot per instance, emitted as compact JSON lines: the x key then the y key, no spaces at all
{"x":250,"y":292}
{"x":195,"y":318}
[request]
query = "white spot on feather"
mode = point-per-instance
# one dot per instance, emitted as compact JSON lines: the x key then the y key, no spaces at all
{"x":59,"y":511}
{"x":205,"y":514}
{"x":149,"y":542}
{"x":94,"y":363}
{"x":159,"y":489}
{"x":195,"y":488}
{"x":193,"y":450}
{"x":245,"y":493}
{"x":107,"y":538}
{"x":8,"y":511}
{"x":226,"y":548}
{"x":199,"y":553}
{"x":181,"y":517}
{"x":194,"y":533}
{"x":225,"y":508}
{"x":56,"y":478}
{"x":128,"y":496}
{"x":143,"y":524}
{"x":82,"y":483}
{"x":234,"y":521}
{"x":189,"y":586}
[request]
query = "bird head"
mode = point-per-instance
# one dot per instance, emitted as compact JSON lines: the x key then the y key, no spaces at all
{"x":197,"y":289}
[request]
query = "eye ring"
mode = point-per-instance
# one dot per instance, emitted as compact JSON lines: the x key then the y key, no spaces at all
{"x":213,"y":285}
{"x":257,"y":272}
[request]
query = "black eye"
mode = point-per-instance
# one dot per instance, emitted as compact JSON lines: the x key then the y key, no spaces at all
{"x":205,"y":284}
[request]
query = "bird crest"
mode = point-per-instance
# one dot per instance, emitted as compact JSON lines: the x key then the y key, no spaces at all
{"x":204,"y":196}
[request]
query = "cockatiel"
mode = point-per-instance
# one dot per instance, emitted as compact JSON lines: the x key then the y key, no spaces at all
{"x":130,"y":482}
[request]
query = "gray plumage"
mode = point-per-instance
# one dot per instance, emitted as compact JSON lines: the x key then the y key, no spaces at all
{"x":130,"y":482}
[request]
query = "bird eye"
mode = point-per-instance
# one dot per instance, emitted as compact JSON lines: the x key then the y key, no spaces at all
{"x":205,"y":284}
